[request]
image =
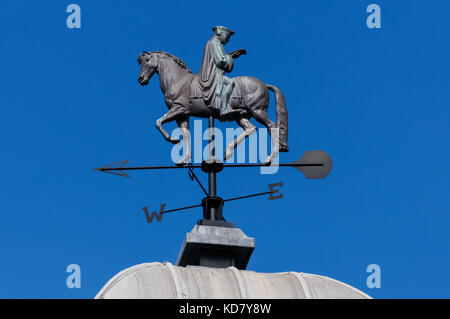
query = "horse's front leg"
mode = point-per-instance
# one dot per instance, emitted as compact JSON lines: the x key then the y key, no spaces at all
{"x":184,"y":127}
{"x":173,"y":114}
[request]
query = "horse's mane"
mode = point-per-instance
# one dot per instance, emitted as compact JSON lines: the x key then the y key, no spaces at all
{"x":175,"y":59}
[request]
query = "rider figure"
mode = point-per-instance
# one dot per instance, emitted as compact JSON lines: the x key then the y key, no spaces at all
{"x":217,"y":87}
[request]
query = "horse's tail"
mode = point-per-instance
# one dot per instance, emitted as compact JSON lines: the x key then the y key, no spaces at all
{"x":282,"y":117}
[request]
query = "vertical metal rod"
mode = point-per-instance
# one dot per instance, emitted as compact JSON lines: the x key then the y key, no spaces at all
{"x":212,"y":175}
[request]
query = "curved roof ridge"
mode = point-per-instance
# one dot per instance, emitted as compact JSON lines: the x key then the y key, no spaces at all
{"x":173,"y":279}
{"x":342,"y":283}
{"x":122,"y":274}
{"x":237,"y":274}
{"x":303,"y":283}
{"x":176,"y":280}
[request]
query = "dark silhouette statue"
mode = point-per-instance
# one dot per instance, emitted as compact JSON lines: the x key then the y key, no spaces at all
{"x":211,"y":93}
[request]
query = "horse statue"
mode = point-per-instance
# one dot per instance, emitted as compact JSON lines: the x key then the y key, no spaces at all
{"x":182,"y":96}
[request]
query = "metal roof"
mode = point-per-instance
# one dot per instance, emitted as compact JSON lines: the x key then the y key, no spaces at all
{"x":166,"y":281}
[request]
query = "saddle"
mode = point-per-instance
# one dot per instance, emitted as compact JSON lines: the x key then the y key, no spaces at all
{"x":236,"y":94}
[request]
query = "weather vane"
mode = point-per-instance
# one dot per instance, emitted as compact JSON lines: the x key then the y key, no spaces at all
{"x":212,"y":95}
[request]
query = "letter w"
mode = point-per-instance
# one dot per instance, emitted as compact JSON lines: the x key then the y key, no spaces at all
{"x":154,"y":214}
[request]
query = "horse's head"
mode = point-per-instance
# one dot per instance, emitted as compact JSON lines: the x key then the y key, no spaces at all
{"x":149,"y":65}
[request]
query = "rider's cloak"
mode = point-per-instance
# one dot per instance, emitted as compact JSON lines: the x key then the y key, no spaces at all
{"x":215,"y":63}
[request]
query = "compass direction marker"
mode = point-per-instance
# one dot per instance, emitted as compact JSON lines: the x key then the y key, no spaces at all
{"x":159,"y":215}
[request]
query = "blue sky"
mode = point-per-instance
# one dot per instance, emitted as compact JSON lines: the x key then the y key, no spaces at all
{"x":377,"y":100}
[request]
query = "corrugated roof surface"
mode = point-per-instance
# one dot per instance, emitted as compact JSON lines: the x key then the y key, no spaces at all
{"x":164,"y":280}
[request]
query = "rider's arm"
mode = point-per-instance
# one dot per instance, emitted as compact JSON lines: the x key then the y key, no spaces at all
{"x":222,"y":60}
{"x":237,"y":53}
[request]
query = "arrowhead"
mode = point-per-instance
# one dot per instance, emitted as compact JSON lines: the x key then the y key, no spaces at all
{"x":314,"y":157}
{"x":112,"y":170}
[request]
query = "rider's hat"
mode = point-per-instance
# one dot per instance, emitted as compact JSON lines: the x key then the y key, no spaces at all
{"x":220,"y":28}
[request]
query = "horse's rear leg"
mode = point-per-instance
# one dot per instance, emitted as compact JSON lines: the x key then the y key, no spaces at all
{"x":261,"y":117}
{"x":184,"y":127}
{"x":249,"y":129}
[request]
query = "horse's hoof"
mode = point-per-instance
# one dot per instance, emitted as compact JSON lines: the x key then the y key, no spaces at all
{"x":268,"y":161}
{"x":228,"y":154}
{"x":184,"y":161}
{"x":174,"y":140}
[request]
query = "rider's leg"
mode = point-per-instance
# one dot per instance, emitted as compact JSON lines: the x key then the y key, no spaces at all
{"x":217,"y":103}
{"x":228,"y":86}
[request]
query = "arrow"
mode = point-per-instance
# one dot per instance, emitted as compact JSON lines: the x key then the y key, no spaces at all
{"x":313,"y":165}
{"x":108,"y":169}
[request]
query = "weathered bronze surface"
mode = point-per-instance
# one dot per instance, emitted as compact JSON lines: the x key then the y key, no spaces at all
{"x":211,"y":93}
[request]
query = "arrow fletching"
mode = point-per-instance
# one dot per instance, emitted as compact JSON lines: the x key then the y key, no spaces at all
{"x":314,"y":157}
{"x":117,"y":170}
